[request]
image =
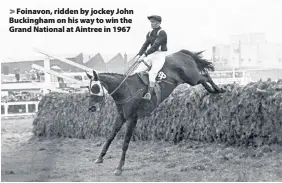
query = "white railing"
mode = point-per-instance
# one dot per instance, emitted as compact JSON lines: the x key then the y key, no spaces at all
{"x":26,"y":108}
{"x":23,"y":108}
{"x":240,"y":81}
{"x":232,"y":76}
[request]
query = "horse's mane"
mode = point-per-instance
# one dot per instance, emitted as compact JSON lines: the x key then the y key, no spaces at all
{"x":202,"y":64}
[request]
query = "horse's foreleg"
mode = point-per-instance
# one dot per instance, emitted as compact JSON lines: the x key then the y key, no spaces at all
{"x":117,"y":125}
{"x":209,"y":79}
{"x":129,"y":131}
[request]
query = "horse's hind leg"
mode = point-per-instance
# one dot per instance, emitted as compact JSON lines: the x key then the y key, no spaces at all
{"x":189,"y":77}
{"x":208,"y":88}
{"x":209,"y":80}
{"x":129,"y":131}
{"x":117,"y":125}
{"x":203,"y":80}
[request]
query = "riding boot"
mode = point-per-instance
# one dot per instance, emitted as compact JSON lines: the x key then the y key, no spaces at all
{"x":148,"y":95}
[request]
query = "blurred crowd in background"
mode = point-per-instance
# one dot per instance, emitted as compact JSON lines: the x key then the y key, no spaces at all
{"x":19,"y":96}
{"x":22,"y":96}
{"x":28,"y":76}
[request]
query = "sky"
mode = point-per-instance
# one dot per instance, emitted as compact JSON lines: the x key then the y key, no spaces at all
{"x":193,"y":25}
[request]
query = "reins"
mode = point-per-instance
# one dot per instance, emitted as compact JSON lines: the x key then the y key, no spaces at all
{"x":128,"y":72}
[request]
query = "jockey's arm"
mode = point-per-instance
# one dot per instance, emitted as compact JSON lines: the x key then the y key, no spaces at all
{"x":161,"y":39}
{"x":145,"y":45}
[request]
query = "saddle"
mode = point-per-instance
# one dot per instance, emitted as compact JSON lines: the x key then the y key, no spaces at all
{"x":144,"y":76}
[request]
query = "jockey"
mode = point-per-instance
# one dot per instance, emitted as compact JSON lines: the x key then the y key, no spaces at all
{"x":155,"y":54}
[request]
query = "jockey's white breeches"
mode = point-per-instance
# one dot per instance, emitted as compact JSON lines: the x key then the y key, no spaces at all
{"x":156,"y":60}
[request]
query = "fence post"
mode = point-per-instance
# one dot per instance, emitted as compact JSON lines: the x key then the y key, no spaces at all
{"x":26,"y":108}
{"x":36,"y":106}
{"x":5,"y":109}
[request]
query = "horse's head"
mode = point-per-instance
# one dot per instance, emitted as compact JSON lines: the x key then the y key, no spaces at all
{"x":96,"y":91}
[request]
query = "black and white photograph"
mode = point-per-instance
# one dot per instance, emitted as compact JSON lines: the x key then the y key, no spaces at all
{"x":141,"y":91}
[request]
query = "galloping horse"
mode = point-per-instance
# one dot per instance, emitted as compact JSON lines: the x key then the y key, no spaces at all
{"x":179,"y":68}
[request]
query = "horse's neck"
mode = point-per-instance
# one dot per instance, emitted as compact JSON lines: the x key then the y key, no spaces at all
{"x":110,"y":80}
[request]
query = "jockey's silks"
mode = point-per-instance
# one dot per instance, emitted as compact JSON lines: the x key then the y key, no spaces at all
{"x":157,"y":39}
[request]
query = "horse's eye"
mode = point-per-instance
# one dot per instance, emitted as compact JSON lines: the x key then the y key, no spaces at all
{"x":95,"y":89}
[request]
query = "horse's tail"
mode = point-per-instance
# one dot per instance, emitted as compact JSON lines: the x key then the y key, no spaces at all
{"x":202,"y":64}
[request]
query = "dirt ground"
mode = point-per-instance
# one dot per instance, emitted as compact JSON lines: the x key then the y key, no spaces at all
{"x":27,"y":158}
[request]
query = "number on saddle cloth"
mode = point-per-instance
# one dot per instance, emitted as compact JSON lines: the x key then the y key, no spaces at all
{"x":161,"y":76}
{"x":144,"y":76}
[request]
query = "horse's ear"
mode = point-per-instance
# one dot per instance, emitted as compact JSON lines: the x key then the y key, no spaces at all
{"x":95,"y":76}
{"x":88,"y":75}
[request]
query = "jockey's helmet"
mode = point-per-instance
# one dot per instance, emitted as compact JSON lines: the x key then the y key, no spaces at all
{"x":155,"y":17}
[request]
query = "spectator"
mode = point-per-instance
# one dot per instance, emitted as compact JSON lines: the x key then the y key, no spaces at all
{"x":17,"y":75}
{"x":42,"y":76}
{"x":27,"y":75}
{"x":38,"y":75}
{"x":32,"y":74}
{"x":26,"y":96}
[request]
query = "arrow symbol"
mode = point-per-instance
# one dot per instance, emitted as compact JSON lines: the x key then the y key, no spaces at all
{"x":12,"y":11}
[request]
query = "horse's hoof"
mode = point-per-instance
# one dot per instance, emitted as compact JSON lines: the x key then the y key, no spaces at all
{"x":117,"y":172}
{"x":222,"y":90}
{"x":99,"y":160}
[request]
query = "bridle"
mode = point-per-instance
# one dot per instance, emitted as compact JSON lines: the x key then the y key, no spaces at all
{"x":91,"y":94}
